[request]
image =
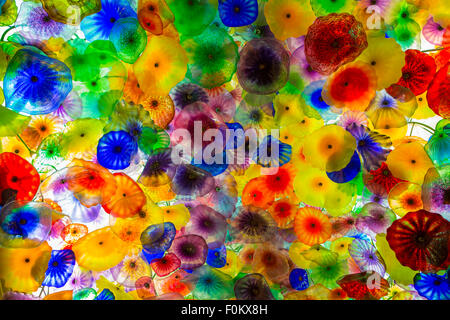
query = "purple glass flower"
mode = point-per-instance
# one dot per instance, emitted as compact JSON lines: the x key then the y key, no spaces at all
{"x":191,"y":249}
{"x":37,"y":24}
{"x":192,"y":181}
{"x":223,"y":197}
{"x":366,"y":256}
{"x":188,"y":93}
{"x":374,"y":218}
{"x":209,"y":224}
{"x":159,"y":169}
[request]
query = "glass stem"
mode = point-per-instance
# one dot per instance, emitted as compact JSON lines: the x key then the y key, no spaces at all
{"x":412,"y":128}
{"x":26,"y":146}
{"x":431,"y":50}
{"x":6,"y":31}
{"x":430,"y":129}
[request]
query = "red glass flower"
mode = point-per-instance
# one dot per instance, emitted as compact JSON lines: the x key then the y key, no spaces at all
{"x":420,"y":241}
{"x":418,"y":71}
{"x":333,"y":41}
{"x":19,"y":180}
{"x":364,"y":286}
{"x":438,"y":95}
{"x":383,"y":177}
{"x":165,"y":265}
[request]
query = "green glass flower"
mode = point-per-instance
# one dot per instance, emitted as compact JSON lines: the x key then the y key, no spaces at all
{"x":213,"y":57}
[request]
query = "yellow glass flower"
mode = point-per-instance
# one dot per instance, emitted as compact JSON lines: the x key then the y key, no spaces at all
{"x":288,"y":18}
{"x":45,"y":125}
{"x":99,"y":250}
{"x":386,"y":57}
{"x":312,"y":186}
{"x":409,"y":162}
{"x":81,"y":136}
{"x":296,"y":251}
{"x":439,"y":10}
{"x":14,"y":145}
{"x":388,"y":128}
{"x":178,"y":214}
{"x":340,"y":246}
{"x":288,"y":109}
{"x":341,"y":200}
{"x":23,"y":270}
{"x":405,"y":197}
{"x":161,"y":66}
{"x":423,"y":111}
{"x":233,"y":264}
{"x":116,"y":289}
{"x":329,"y":148}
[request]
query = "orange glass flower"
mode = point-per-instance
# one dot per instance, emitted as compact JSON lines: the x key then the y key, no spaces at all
{"x":128,"y":199}
{"x":312,"y":226}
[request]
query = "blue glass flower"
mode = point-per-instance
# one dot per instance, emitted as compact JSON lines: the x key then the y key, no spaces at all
{"x":238,"y":13}
{"x":21,"y":222}
{"x":115,"y":150}
{"x":158,"y":237}
{"x":99,"y":25}
{"x":350,"y":171}
{"x":24,"y":226}
{"x":35,"y":84}
{"x":433,"y":286}
{"x":60,"y":268}
{"x":106,"y":294}
{"x":272,"y":153}
{"x":299,"y":279}
{"x":217,"y":258}
{"x":313,"y":97}
{"x":370,"y":145}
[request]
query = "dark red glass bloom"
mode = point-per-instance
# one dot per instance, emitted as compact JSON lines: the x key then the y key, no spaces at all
{"x":383,"y":177}
{"x":165,"y":265}
{"x":364,"y":286}
{"x":333,"y":41}
{"x":438,"y":95}
{"x":421,"y":240}
{"x":418,"y":71}
{"x":19,"y":180}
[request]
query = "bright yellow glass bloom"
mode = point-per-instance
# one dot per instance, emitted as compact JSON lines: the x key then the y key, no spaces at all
{"x":288,"y":109}
{"x":23,"y":270}
{"x":410,"y":162}
{"x":329,"y":148}
{"x":405,"y":197}
{"x":99,"y":250}
{"x":161,"y":66}
{"x":386,"y":57}
{"x":177,"y":214}
{"x":288,"y":18}
{"x":312,"y":186}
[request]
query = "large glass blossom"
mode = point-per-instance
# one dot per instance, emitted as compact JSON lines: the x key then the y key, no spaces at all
{"x":98,"y":26}
{"x":35,"y":83}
